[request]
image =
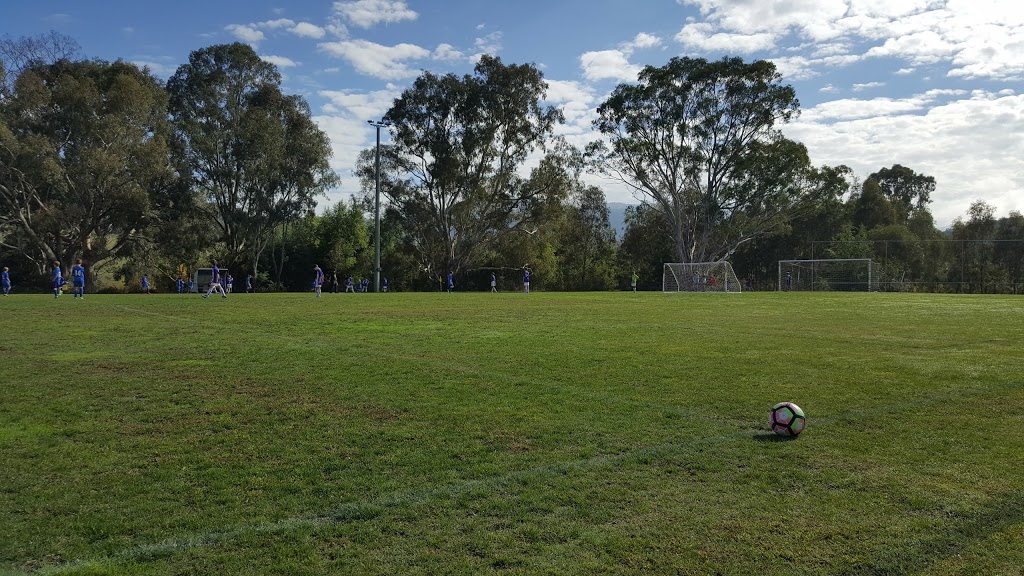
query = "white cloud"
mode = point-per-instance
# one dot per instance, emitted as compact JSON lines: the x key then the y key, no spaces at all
{"x":608,"y":64}
{"x":490,"y":44}
{"x":384,"y":62}
{"x":362,"y":105}
{"x":966,"y":142}
{"x":867,"y":86}
{"x":447,"y":52}
{"x":976,"y":38}
{"x":246,"y":33}
{"x":280,"y":61}
{"x":644,"y":40}
{"x":702,"y":37}
{"x":275,"y":24}
{"x":307,"y":30}
{"x":366,"y":13}
{"x":828,"y":89}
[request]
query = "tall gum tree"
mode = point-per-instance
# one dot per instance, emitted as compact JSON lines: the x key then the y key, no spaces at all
{"x":81,"y":146}
{"x":698,"y":140}
{"x":454,"y":167}
{"x":255,"y":153}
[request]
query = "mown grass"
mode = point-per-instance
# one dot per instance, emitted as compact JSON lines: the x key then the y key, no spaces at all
{"x":551,"y":433}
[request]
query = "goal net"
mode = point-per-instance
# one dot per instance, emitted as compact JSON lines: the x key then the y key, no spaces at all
{"x":700,"y":277}
{"x":849,"y":275}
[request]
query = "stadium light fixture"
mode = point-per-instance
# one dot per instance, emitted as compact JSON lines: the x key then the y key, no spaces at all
{"x":378,"y":124}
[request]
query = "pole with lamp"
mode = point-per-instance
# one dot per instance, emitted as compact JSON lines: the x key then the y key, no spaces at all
{"x":378,"y":124}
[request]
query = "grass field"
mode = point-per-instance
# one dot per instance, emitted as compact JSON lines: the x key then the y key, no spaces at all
{"x":611,"y":433}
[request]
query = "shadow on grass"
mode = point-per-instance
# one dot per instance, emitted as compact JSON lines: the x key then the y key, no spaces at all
{"x":772,"y":437}
{"x":953,"y":538}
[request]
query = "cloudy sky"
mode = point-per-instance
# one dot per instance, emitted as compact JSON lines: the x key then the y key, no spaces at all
{"x":936,"y":85}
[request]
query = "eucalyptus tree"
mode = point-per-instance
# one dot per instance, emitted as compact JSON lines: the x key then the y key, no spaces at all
{"x":254,"y":152}
{"x":81,"y":146}
{"x":698,"y":140}
{"x":454,"y":171}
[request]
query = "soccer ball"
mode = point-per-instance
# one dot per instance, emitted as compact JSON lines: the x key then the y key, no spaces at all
{"x":787,"y":419}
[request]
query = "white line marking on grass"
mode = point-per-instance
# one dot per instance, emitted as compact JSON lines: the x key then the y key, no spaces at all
{"x":370,"y":509}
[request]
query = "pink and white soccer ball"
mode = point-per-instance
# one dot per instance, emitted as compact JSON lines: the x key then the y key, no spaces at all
{"x":787,"y":419}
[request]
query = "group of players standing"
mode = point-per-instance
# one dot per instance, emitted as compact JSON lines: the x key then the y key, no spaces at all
{"x":57,"y":280}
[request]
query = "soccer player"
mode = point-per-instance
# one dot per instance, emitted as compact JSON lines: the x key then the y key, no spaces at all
{"x":57,"y":279}
{"x":215,"y":282}
{"x":189,"y":284}
{"x":350,"y":286}
{"x":5,"y":280}
{"x":145,"y":283}
{"x":384,"y":283}
{"x":451,"y":282}
{"x":494,"y":283}
{"x":231,"y":283}
{"x":180,"y":283}
{"x":248,"y":283}
{"x":633,"y":279}
{"x":334,"y":282}
{"x":318,"y":281}
{"x":526,"y":280}
{"x":78,"y":279}
{"x":789,"y":282}
{"x":366,"y":284}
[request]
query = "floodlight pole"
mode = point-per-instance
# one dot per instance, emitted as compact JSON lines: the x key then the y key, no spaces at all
{"x":376,"y":209}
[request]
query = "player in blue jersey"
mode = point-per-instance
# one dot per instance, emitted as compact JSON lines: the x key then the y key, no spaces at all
{"x":180,"y":284}
{"x":248,"y":283}
{"x":57,"y":279}
{"x":384,"y":283}
{"x":494,"y":282}
{"x":78,"y":279}
{"x":349,"y":286}
{"x":145,"y":283}
{"x":5,"y":281}
{"x":451,"y":283}
{"x":215,"y":282}
{"x":318,"y":281}
{"x":366,"y":284}
{"x":526,"y":280}
{"x":190,"y":284}
{"x":230,"y":283}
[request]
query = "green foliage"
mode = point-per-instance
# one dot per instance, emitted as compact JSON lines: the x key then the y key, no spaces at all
{"x":586,"y":244}
{"x":698,"y":139}
{"x":253,"y":151}
{"x":454,"y":167}
{"x":646,"y":246}
{"x":83,"y":145}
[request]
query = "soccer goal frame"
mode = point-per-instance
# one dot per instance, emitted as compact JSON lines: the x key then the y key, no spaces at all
{"x":717,"y":277}
{"x":828,"y":275}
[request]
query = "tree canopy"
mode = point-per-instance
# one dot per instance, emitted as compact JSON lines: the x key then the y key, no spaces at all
{"x":698,"y":140}
{"x":454,"y":167}
{"x":81,"y":144}
{"x":253,"y":151}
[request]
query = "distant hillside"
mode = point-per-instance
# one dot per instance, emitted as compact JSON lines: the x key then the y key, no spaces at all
{"x":617,"y":217}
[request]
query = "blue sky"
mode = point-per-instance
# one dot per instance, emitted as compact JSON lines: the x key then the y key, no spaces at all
{"x":935,"y":85}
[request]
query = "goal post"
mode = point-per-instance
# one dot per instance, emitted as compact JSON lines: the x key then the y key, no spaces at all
{"x":836,"y":275}
{"x":700,"y":277}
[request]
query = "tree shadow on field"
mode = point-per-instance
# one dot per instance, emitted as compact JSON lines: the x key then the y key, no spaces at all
{"x":958,"y":535}
{"x":772,"y":437}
